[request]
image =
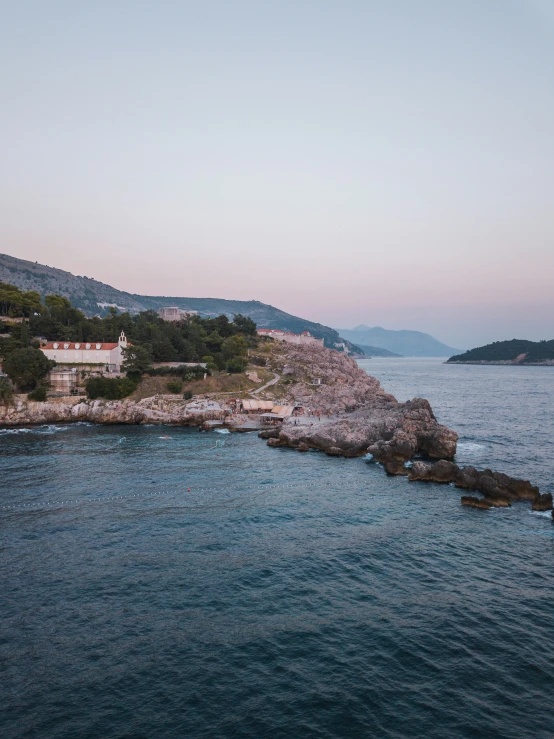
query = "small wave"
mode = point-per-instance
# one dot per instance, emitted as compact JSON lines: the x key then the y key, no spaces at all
{"x":44,"y":429}
{"x":222,"y":431}
{"x":470,"y":446}
{"x":542,"y":514}
{"x":16,"y":431}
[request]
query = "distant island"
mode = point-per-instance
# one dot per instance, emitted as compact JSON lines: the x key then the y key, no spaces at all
{"x":516,"y":351}
{"x":401,"y":343}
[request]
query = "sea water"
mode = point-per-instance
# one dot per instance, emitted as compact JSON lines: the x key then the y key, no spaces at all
{"x":161,"y":582}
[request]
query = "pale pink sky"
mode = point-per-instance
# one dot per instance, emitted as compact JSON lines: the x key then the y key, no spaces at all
{"x":356,"y":162}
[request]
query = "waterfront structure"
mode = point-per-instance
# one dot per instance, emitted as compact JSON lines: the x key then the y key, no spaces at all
{"x":173,"y":313}
{"x":304,"y":339}
{"x":93,"y":356}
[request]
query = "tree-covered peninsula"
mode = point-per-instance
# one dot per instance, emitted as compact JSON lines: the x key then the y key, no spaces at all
{"x":515,"y":351}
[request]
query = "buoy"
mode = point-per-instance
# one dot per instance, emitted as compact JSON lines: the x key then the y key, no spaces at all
{"x":188,"y":490}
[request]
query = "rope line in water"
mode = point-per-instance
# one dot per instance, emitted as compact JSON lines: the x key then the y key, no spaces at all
{"x":134,"y":496}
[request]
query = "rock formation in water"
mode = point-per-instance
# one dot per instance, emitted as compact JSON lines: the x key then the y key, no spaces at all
{"x":359,"y":416}
{"x":366,"y":420}
{"x":499,"y":489}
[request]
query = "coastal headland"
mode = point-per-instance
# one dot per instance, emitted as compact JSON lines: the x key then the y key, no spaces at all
{"x":327,"y":403}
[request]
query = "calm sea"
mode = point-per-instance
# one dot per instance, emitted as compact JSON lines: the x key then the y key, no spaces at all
{"x":160,"y":582}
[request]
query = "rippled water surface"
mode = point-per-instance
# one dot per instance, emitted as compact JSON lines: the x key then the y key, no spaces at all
{"x":159,"y":582}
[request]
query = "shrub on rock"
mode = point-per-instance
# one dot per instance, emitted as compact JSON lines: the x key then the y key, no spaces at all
{"x":110,"y":388}
{"x":38,"y":395}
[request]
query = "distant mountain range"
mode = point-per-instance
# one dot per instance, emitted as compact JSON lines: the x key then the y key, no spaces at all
{"x":405,"y":343}
{"x":516,"y":351}
{"x":377,"y":351}
{"x":95,"y":298}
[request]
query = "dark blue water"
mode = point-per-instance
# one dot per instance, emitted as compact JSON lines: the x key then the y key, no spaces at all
{"x":285,"y":595}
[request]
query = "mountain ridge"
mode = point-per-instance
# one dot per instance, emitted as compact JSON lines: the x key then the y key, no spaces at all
{"x":94,"y":298}
{"x":404,"y":342}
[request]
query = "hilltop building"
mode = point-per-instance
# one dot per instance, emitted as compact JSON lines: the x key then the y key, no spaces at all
{"x":91,"y":356}
{"x":173,"y":313}
{"x":304,"y":339}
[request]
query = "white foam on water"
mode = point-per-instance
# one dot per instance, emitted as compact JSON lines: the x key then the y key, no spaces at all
{"x":46,"y":429}
{"x":542,"y":514}
{"x":470,"y":446}
{"x":16,"y":431}
{"x":222,"y":431}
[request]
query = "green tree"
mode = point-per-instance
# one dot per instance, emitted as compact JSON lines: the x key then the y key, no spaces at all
{"x":57,"y":301}
{"x":236,"y":365}
{"x":163,"y":351}
{"x":38,"y":394}
{"x":110,"y":388}
{"x":245,"y":325}
{"x":6,"y":391}
{"x":31,"y":303}
{"x":27,"y":367}
{"x":136,"y":358}
{"x":234,"y":346}
{"x":24,"y":336}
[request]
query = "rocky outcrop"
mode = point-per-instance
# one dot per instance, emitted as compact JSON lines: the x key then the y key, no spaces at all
{"x":499,"y":489}
{"x":390,"y":431}
{"x":543,"y":503}
{"x":443,"y":471}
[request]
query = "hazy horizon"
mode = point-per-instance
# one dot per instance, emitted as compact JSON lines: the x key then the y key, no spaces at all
{"x":358,"y":162}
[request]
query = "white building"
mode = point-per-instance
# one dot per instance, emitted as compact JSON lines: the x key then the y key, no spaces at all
{"x":99,"y":356}
{"x":175,"y":314}
{"x":305,"y":338}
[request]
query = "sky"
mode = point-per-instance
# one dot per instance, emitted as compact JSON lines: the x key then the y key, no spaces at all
{"x":350,"y":161}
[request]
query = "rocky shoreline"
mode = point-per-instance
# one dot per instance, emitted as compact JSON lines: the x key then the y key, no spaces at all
{"x":75,"y":410}
{"x":345,"y":412}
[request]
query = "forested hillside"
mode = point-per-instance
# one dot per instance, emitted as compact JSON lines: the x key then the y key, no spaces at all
{"x":217,"y":341}
{"x":518,"y":351}
{"x":96,"y":298}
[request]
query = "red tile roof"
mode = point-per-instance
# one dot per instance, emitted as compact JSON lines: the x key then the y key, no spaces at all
{"x":82,"y":346}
